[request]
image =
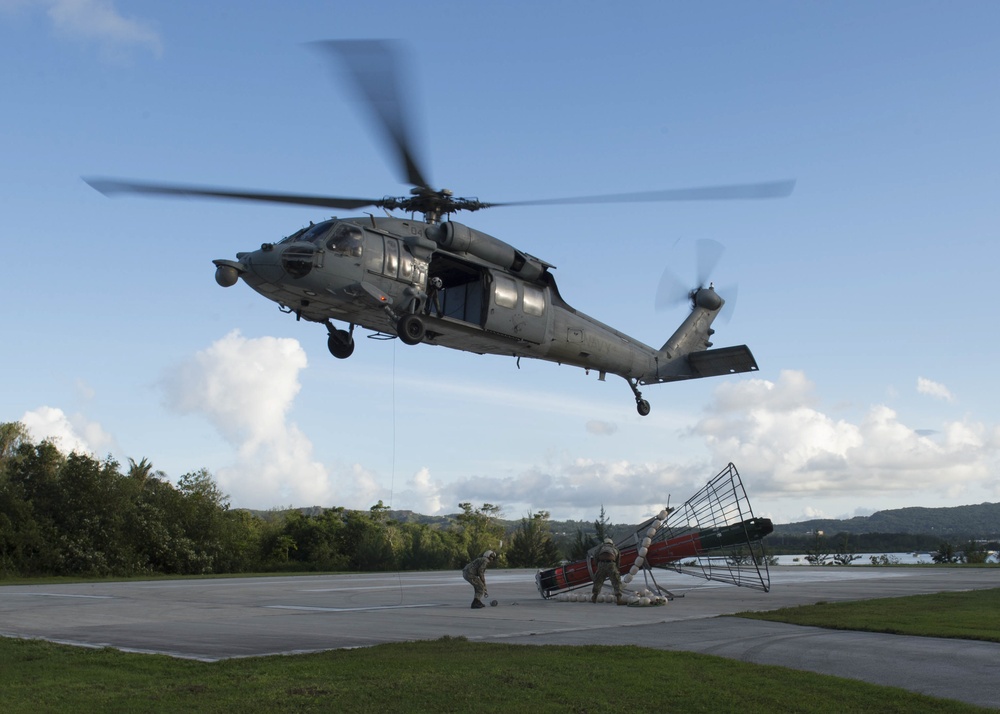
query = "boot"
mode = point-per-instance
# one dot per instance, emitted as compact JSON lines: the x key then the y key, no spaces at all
{"x":477,"y":603}
{"x":619,"y":600}
{"x":593,"y":598}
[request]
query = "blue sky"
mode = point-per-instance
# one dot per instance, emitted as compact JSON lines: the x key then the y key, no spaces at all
{"x":867,"y":297}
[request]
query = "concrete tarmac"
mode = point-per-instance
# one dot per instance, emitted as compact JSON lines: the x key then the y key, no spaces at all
{"x":215,"y":619}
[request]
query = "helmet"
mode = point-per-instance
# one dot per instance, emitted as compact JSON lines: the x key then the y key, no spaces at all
{"x":490,"y":554}
{"x":609,"y":541}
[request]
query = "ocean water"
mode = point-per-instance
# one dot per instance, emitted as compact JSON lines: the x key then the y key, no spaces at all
{"x":865,"y":559}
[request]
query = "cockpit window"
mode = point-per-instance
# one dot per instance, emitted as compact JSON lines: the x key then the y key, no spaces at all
{"x":346,"y":239}
{"x":294,"y":236}
{"x":313,"y":233}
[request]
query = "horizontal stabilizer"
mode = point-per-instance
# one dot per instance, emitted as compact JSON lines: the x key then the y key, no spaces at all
{"x":725,"y":360}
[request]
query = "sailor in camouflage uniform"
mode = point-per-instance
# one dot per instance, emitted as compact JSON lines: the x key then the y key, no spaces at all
{"x":475,"y":574}
{"x":608,"y":563}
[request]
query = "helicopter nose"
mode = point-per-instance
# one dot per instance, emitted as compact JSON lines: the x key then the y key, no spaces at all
{"x":228,"y":272}
{"x":263,"y":265}
{"x":278,"y":263}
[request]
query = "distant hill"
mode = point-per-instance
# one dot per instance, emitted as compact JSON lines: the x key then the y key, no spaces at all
{"x":980,"y":521}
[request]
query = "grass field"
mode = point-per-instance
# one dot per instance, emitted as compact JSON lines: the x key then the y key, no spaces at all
{"x":455,"y":675}
{"x":971,"y":615}
{"x":446,"y":675}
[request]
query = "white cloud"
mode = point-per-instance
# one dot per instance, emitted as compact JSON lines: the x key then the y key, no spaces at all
{"x":810,"y":513}
{"x":934,"y":389}
{"x":70,"y":434}
{"x":365,"y":490}
{"x":94,"y":20}
{"x":577,"y":488}
{"x":422,"y":494}
{"x":791,"y":453}
{"x":84,"y":390}
{"x":789,"y":447}
{"x":245,"y":388}
{"x":601,"y":428}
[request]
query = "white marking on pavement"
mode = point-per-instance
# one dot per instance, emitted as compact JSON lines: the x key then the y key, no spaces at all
{"x":349,"y":609}
{"x":90,"y":597}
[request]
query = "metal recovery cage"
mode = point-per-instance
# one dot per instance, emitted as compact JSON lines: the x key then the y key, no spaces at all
{"x":713,"y":535}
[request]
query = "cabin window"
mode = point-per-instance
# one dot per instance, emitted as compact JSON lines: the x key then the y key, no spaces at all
{"x":534,"y":301}
{"x":405,"y":267}
{"x":391,"y":267}
{"x":346,"y":240}
{"x":505,"y":292}
{"x":374,"y":258}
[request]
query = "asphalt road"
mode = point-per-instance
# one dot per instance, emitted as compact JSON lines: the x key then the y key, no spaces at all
{"x":215,"y":619}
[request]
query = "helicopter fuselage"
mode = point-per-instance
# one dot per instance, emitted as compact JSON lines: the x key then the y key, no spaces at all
{"x":381,"y":273}
{"x":439,"y":282}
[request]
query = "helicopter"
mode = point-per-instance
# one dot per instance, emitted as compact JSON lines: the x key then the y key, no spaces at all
{"x":431,"y":280}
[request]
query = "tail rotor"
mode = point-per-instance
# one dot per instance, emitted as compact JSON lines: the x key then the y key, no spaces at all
{"x":672,"y":290}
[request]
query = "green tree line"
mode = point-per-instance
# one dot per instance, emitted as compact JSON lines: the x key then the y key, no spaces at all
{"x":77,"y":515}
{"x":80,"y":516}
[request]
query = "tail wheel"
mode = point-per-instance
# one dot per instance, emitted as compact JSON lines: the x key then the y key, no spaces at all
{"x":410,"y":329}
{"x":641,"y":405}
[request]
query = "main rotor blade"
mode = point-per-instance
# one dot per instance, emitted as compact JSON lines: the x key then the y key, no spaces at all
{"x":375,"y":70}
{"x":111,"y":187}
{"x":734,"y":192}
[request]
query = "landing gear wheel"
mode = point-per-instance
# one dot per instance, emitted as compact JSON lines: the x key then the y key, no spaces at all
{"x":410,"y":329}
{"x":340,"y":343}
{"x":641,"y":405}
